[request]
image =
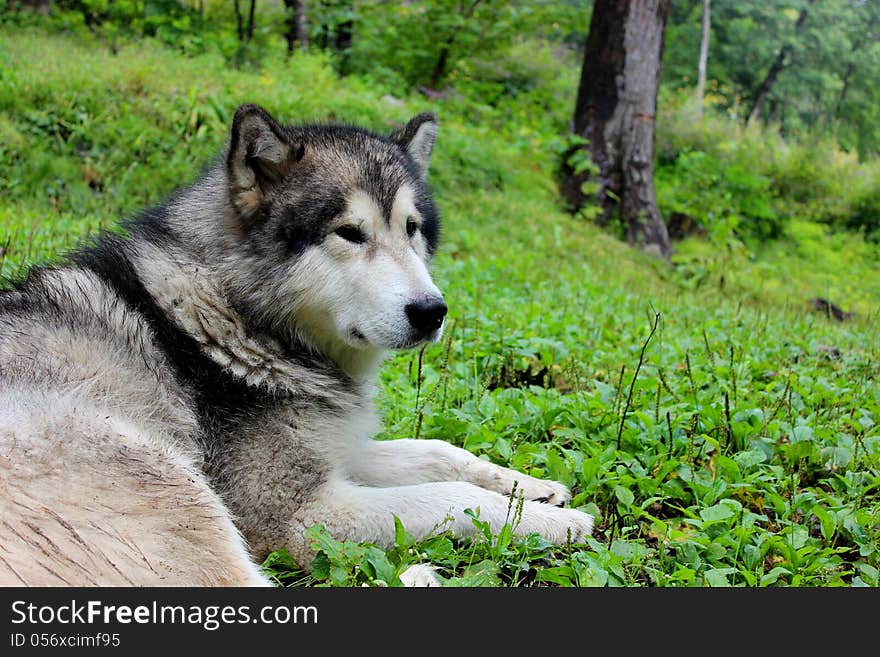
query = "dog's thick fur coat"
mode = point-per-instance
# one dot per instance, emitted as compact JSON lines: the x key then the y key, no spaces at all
{"x":179,"y":401}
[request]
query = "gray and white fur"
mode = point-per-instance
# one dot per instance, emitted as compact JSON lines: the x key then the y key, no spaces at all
{"x":179,"y":400}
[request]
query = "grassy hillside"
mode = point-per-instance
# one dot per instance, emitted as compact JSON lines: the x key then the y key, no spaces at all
{"x":745,"y":452}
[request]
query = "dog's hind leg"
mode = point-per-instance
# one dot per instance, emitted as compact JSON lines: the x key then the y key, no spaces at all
{"x":361,"y":513}
{"x":87,"y":499}
{"x":384,"y":463}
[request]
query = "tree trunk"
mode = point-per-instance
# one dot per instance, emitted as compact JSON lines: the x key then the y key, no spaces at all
{"x":40,"y":6}
{"x":443,"y":60}
{"x":250,"y":27}
{"x":440,"y":65}
{"x":615,"y":109}
{"x":847,"y":74}
{"x":704,"y":56}
{"x":776,"y":68}
{"x":767,"y":84}
{"x":238,"y":22}
{"x":344,"y":37}
{"x":297,"y":27}
{"x":851,"y":65}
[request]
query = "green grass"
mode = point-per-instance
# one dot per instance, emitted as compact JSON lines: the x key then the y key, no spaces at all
{"x":747,"y":450}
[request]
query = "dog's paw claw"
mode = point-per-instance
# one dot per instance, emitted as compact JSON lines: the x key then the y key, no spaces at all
{"x":551,"y":493}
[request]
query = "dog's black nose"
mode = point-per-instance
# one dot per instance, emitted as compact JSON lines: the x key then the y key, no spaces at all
{"x":426,"y":315}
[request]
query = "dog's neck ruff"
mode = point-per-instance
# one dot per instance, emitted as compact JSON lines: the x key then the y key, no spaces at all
{"x":195,"y":302}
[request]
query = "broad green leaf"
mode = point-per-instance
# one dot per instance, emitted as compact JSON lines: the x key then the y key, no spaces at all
{"x":624,"y":495}
{"x":382,"y":568}
{"x":715,"y":552}
{"x":502,"y":541}
{"x":722,"y":511}
{"x":751,"y":556}
{"x":589,"y":468}
{"x":561,"y":575}
{"x":801,"y":433}
{"x":591,"y":575}
{"x":826,"y":522}
{"x":718,"y":576}
{"x":338,"y":575}
{"x":869,"y":573}
{"x":750,"y":458}
{"x":774,"y":575}
{"x":557,"y":468}
{"x":320,"y":566}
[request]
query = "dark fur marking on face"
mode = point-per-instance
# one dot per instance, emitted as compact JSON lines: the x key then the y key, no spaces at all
{"x":362,"y":160}
{"x":305,"y":223}
{"x":381,"y":178}
{"x":430,"y":219}
{"x":326,"y":162}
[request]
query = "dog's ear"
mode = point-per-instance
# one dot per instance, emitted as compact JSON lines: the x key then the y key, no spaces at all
{"x":417,"y":138}
{"x":260,"y":155}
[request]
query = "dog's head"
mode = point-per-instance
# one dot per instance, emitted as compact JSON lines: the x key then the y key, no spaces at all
{"x":339,"y":227}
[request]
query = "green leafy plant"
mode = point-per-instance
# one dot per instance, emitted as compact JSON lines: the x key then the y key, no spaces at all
{"x":743,"y":451}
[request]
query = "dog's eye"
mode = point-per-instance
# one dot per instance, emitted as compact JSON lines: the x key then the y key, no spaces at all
{"x":351,"y":234}
{"x":411,"y":226}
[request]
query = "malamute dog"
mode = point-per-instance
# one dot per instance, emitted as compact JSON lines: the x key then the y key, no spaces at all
{"x":178,"y":401}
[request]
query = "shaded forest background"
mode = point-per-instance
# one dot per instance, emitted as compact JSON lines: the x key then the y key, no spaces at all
{"x":803,"y":72}
{"x":737,"y":446}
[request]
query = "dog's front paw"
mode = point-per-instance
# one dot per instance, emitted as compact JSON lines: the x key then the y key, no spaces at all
{"x":534,"y":490}
{"x":506,"y":481}
{"x":555,"y":524}
{"x":540,"y":490}
{"x":420,"y":576}
{"x":577,"y":525}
